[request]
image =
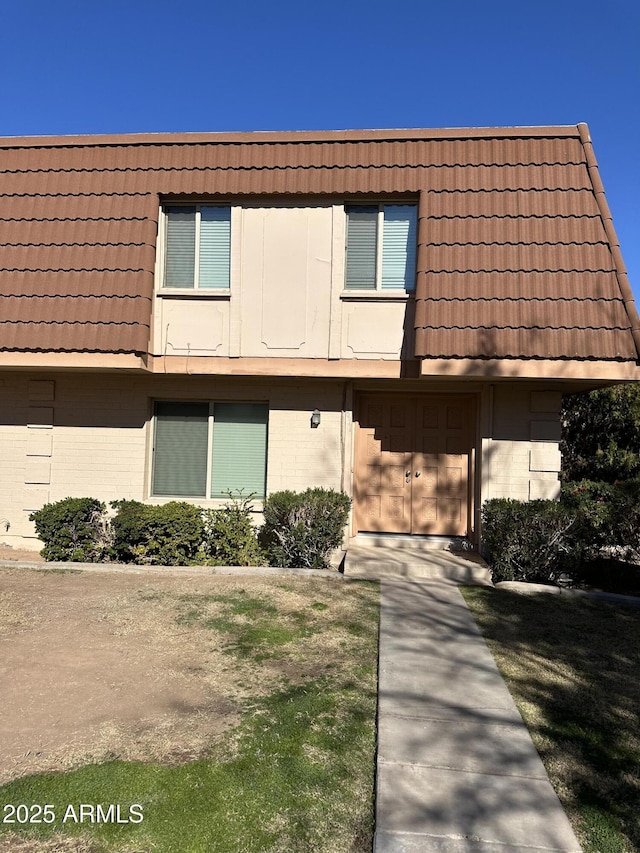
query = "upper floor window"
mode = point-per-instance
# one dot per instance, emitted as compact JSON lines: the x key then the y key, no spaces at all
{"x":381,"y":247}
{"x":198,"y":246}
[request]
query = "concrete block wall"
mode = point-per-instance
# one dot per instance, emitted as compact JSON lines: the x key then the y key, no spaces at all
{"x":100,"y":437}
{"x":13,"y":456}
{"x":522,"y":454}
{"x":64,"y":435}
{"x":299,"y":456}
{"x":89,"y":435}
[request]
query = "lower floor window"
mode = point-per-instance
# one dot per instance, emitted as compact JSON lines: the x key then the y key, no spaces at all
{"x":208,"y":449}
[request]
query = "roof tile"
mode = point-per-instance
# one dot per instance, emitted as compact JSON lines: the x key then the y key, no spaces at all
{"x":516,"y":256}
{"x":526,"y":342}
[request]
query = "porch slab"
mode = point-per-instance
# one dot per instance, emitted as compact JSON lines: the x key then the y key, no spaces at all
{"x":413,"y":559}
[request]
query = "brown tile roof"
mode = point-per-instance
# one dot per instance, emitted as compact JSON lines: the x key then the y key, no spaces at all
{"x":524,"y":271}
{"x":517,"y":255}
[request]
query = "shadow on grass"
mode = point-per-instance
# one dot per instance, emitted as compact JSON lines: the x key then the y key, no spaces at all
{"x":572,"y":667}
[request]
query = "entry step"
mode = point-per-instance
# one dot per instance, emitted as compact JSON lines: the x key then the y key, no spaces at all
{"x":406,"y":541}
{"x":396,"y":559}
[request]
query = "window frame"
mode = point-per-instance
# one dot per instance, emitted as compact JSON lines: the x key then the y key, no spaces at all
{"x":378,"y":290}
{"x":163,"y":245}
{"x":210,"y":440}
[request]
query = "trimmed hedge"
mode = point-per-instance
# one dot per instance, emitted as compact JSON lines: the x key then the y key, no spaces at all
{"x":301,"y":529}
{"x":73,"y":530}
{"x":530,"y":541}
{"x":540,"y":541}
{"x":166,"y":535}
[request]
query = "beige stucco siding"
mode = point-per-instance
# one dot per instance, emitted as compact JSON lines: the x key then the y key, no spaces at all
{"x":285,"y":288}
{"x":191,"y":326}
{"x":286,"y":296}
{"x":377,"y":327}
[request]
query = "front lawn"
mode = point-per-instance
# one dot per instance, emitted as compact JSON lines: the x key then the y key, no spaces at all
{"x":573,"y":669}
{"x":294,"y":774}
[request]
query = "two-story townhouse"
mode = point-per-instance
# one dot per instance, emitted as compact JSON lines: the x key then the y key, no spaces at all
{"x":395,"y":313}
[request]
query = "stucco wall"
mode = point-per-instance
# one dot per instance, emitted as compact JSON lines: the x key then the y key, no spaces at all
{"x":286,"y":296}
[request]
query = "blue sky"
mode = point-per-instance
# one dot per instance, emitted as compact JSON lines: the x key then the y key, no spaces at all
{"x":70,"y":67}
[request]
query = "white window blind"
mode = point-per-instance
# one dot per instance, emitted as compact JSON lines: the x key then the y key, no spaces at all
{"x":399,"y":246}
{"x":198,"y":246}
{"x":215,"y":246}
{"x":381,"y":247}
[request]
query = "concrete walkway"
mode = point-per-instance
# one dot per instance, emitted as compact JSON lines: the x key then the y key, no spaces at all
{"x":457,"y":770}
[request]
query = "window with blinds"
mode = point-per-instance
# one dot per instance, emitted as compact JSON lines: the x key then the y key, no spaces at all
{"x":381,"y":247}
{"x":209,"y":449}
{"x":197,"y":246}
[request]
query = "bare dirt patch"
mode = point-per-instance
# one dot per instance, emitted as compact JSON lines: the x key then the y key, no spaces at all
{"x":12,"y":843}
{"x":19,"y":555}
{"x":100,"y":665}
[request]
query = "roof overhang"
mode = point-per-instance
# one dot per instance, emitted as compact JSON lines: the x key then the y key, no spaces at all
{"x":505,"y":368}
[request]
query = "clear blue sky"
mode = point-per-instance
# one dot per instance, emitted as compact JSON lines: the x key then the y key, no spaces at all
{"x":70,"y":67}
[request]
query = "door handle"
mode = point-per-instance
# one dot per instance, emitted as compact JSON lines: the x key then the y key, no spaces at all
{"x":417,"y":473}
{"x":407,"y":477}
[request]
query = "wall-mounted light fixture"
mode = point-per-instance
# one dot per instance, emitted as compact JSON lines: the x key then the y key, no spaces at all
{"x":315,"y":419}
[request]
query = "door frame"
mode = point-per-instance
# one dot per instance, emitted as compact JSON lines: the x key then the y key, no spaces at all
{"x":473,"y":400}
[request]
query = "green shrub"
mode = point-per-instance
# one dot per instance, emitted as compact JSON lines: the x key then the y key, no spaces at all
{"x":230,"y":539}
{"x":601,"y":434}
{"x":129,"y":530}
{"x":166,"y":535}
{"x":73,"y":530}
{"x":302,"y":529}
{"x":608,"y":514}
{"x":534,"y":541}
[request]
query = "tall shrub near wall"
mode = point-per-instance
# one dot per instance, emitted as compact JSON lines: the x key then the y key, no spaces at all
{"x":302,"y":529}
{"x":536,"y":541}
{"x":230,"y":539}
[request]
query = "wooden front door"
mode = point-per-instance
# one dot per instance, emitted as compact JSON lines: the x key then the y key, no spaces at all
{"x":412,"y":464}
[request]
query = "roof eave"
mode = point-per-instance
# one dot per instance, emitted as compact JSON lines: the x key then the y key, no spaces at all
{"x":277,"y":136}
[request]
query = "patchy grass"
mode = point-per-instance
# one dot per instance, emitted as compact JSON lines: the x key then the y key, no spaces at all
{"x":295,"y":774}
{"x":572,"y":667}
